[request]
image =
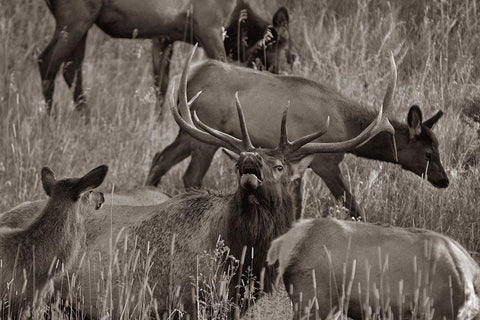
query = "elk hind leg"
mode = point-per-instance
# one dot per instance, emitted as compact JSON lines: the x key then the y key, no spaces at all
{"x":177,"y":151}
{"x":60,"y":48}
{"x":72,"y":73}
{"x":202,"y":156}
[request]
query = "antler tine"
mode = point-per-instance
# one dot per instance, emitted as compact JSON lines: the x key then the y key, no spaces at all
{"x":187,"y":124}
{"x":380,"y":124}
{"x":236,"y":145}
{"x":290,"y":147}
{"x":297,"y":144}
{"x":283,"y":143}
{"x":190,"y":129}
{"x":388,"y":99}
{"x":247,"y":143}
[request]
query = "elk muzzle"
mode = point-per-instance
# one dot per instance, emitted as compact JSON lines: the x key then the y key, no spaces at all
{"x":94,"y":198}
{"x":249,"y":168}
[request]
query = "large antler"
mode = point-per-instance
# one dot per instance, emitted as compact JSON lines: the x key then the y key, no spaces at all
{"x":209,"y":135}
{"x":298,"y":148}
{"x":304,"y":146}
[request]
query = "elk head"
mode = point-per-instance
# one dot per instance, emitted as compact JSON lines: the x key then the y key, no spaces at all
{"x":267,"y":172}
{"x":72,"y":189}
{"x":419,"y":153}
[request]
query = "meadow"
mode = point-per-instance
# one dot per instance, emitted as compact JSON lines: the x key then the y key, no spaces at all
{"x":436,"y":44}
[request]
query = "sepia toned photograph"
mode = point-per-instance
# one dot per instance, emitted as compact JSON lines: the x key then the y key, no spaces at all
{"x":239,"y":159}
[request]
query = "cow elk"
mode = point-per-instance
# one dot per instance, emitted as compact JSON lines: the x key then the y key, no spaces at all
{"x":32,"y":255}
{"x":164,"y":21}
{"x":311,"y":103}
{"x":23,"y":214}
{"x":367,"y":271}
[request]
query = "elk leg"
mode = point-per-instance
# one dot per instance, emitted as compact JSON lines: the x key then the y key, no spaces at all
{"x":202,"y":156}
{"x":72,"y":73}
{"x":62,"y":45}
{"x":162,"y":50}
{"x":170,"y":156}
{"x":332,"y":177}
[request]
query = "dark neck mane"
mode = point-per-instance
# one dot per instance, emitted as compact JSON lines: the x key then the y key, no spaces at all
{"x":254,"y":221}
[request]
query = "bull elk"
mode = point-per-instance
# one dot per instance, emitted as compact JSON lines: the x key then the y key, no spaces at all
{"x":364,"y":271}
{"x":53,"y":237}
{"x":261,"y":209}
{"x":164,"y":21}
{"x":311,"y":103}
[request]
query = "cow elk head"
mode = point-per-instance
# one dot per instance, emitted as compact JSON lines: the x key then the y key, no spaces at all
{"x":420,"y":154}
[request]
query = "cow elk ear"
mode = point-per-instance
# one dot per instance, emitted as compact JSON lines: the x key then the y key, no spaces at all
{"x":299,"y":166}
{"x":230,"y":154}
{"x":430,"y":123}
{"x":414,"y":121}
{"x":280,"y":18}
{"x":92,"y":179}
{"x":48,"y":180}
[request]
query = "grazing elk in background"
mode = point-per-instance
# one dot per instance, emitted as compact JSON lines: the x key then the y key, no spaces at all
{"x":311,"y":103}
{"x":53,"y":238}
{"x":261,"y":209}
{"x":359,"y":268}
{"x":164,"y":21}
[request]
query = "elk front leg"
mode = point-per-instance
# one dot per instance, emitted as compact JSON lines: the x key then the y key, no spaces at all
{"x":72,"y":73}
{"x":331,"y":175}
{"x":161,"y":54}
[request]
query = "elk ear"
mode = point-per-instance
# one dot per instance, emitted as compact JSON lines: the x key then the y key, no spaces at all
{"x":48,"y":179}
{"x":430,"y":123}
{"x":232,"y":155}
{"x":92,"y":179}
{"x":280,"y":18}
{"x":299,"y":166}
{"x":414,"y":121}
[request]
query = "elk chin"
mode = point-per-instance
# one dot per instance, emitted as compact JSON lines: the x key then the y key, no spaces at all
{"x":249,"y":181}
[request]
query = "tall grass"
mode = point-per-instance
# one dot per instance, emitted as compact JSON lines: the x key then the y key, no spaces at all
{"x":436,"y":44}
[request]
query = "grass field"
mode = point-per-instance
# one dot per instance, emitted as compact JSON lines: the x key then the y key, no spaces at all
{"x":344,"y":45}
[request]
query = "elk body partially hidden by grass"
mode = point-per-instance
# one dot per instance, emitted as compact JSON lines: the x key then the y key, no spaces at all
{"x":311,"y":103}
{"x":365,"y":271}
{"x":23,"y":214}
{"x":164,"y":21}
{"x":32,"y":255}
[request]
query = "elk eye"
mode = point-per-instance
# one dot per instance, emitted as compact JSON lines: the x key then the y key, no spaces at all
{"x":428,"y":156}
{"x":279,"y":168}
